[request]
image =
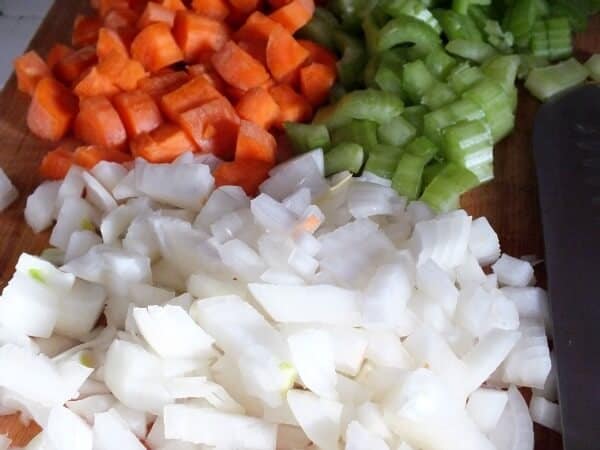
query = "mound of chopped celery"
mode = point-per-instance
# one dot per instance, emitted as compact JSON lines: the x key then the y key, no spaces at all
{"x":426,"y":88}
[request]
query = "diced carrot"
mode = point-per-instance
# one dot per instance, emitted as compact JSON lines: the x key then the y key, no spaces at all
{"x":295,"y":14}
{"x":292,"y":106}
{"x":213,"y":126}
{"x":163,"y":145}
{"x":109,"y":41}
{"x":98,"y":123}
{"x":87,"y":156}
{"x":154,"y":13}
{"x":284,"y":54}
{"x":256,"y":49}
{"x":30,"y":68}
{"x":196,"y":34}
{"x":104,"y":6}
{"x":244,"y":6}
{"x":209,"y":74}
{"x":315,"y":82}
{"x":254,"y":142}
{"x":238,"y":68}
{"x":257,"y":27}
{"x":160,"y":84}
{"x":72,"y":66}
{"x":155,"y":47}
{"x":118,"y":18}
{"x":319,"y":54}
{"x":56,"y":164}
{"x":192,"y":94}
{"x":258,"y":106}
{"x":85,"y":30}
{"x":249,"y":174}
{"x":138,"y":111}
{"x":56,"y":54}
{"x":94,"y":83}
{"x":276,"y":4}
{"x":174,"y":5}
{"x":131,"y":75}
{"x":215,"y":9}
{"x":51,"y":110}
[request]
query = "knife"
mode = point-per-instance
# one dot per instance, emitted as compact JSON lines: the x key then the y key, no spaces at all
{"x":566,"y":142}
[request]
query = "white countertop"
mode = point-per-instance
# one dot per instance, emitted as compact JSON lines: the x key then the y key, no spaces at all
{"x":19,"y":20}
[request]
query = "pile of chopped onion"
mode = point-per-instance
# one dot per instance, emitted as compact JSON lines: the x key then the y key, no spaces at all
{"x":322,"y":314}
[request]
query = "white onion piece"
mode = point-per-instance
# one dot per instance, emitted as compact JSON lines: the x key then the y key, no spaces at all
{"x":386,"y":296}
{"x":242,"y":260}
{"x":545,"y":413}
{"x":126,"y":187}
{"x":137,"y":421}
{"x":97,"y":194}
{"x":531,"y":303}
{"x":72,"y":185}
{"x":223,"y":200}
{"x":485,"y":406}
{"x":271,"y":215}
{"x":369,"y":199}
{"x":370,"y":416}
{"x":418,"y":211}
{"x":515,"y":427}
{"x":109,"y":173}
{"x":291,"y":438}
{"x":172,"y":333}
{"x":67,"y":430}
{"x":80,"y":243}
{"x":80,"y":309}
{"x":386,"y":349}
{"x":318,"y":417}
{"x":359,"y":438}
{"x":211,"y":427}
{"x":4,"y":442}
{"x":483,"y":242}
{"x":298,"y":201}
{"x":74,"y":214}
{"x":308,"y":304}
{"x":183,"y":185}
{"x":512,"y":271}
{"x":41,"y":205}
{"x":111,"y":431}
{"x":87,"y":407}
{"x":313,"y":357}
{"x":436,"y":284}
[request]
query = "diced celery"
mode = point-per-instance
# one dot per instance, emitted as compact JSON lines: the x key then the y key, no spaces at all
{"x":440,"y":63}
{"x":463,"y":109}
{"x":503,"y":69}
{"x":408,"y":30}
{"x":468,"y":144}
{"x":463,"y":77}
{"x":559,"y":38}
{"x":495,"y":103}
{"x":548,"y":81}
{"x":383,"y":160}
{"x":593,"y":65}
{"x":417,"y":80}
{"x":414,"y":8}
{"x":431,"y":171}
{"x":444,"y":191}
{"x":519,"y":20}
{"x":529,"y":62}
{"x":363,"y":132}
{"x":344,"y":156}
{"x":438,"y":95}
{"x":457,"y":26}
{"x":477,"y":51}
{"x":397,"y":131}
{"x":415,"y":115}
{"x":305,"y":137}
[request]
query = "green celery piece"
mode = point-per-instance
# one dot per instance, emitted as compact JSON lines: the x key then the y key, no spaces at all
{"x":389,"y":80}
{"x":320,"y":28}
{"x":477,"y":51}
{"x":464,"y":78}
{"x":413,"y":8}
{"x":435,"y":121}
{"x":407,"y":178}
{"x":305,"y":137}
{"x":350,"y":12}
{"x":440,"y":63}
{"x":542,"y":7}
{"x":546,"y":82}
{"x":344,"y":156}
{"x":396,"y":132}
{"x":495,"y":103}
{"x":363,"y":132}
{"x":500,"y":39}
{"x":416,"y":80}
{"x":539,"y":44}
{"x":370,"y":72}
{"x":37,"y":275}
{"x":462,"y":6}
{"x":431,"y":171}
{"x":503,"y":69}
{"x":559,"y":38}
{"x":529,"y":62}
{"x":354,"y":56}
{"x":371,"y":33}
{"x":457,"y":26}
{"x":444,"y":191}
{"x":383,"y":160}
{"x":593,"y":66}
{"x":367,"y":104}
{"x":468,"y":144}
{"x":415,"y":115}
{"x":519,"y":20}
{"x":576,"y":11}
{"x":483,"y":172}
{"x":440,"y":94}
{"x":407,"y":30}
{"x":480,"y":15}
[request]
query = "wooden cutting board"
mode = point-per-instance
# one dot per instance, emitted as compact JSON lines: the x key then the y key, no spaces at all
{"x":509,"y":202}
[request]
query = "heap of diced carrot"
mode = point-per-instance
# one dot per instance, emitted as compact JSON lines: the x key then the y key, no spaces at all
{"x":155,"y":79}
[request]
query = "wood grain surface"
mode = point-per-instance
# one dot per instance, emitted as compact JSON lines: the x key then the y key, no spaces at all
{"x":510,"y":201}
